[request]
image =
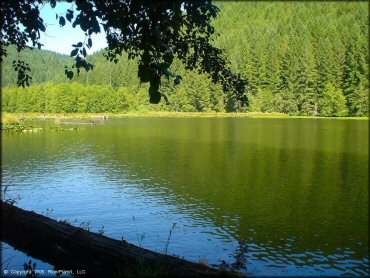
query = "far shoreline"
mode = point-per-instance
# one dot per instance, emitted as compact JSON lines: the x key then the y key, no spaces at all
{"x":12,"y":118}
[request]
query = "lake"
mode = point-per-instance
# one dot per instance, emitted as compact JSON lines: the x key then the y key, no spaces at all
{"x":267,"y":196}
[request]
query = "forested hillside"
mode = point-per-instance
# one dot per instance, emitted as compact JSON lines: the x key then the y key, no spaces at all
{"x":304,"y":58}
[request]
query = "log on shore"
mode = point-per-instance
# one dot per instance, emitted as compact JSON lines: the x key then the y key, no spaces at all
{"x":72,"y":248}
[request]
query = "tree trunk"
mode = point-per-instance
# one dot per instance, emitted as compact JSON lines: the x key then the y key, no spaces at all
{"x":71,"y":248}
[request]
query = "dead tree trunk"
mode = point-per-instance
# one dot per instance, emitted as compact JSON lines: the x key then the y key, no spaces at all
{"x":71,"y":248}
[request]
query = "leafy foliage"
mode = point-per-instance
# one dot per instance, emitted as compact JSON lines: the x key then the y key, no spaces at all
{"x":333,"y":102}
{"x":291,"y":62}
{"x":155,"y":33}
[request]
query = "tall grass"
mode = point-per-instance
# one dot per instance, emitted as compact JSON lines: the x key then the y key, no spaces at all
{"x":17,"y":118}
{"x":9,"y":118}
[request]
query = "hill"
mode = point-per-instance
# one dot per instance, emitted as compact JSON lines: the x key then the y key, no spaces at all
{"x":309,"y":58}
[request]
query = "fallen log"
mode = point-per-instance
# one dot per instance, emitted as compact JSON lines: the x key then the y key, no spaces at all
{"x":90,"y":254}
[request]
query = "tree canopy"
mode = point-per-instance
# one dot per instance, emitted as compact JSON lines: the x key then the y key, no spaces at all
{"x":153,"y":32}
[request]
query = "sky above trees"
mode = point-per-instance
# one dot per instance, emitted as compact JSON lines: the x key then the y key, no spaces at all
{"x":60,"y":39}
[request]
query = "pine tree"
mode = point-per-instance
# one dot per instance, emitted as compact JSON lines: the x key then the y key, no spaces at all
{"x":332,"y":102}
{"x":351,"y":79}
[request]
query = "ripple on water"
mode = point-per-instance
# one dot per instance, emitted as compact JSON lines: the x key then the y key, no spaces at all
{"x":235,"y":215}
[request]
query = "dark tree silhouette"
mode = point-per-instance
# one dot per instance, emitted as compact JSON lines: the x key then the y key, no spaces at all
{"x":155,"y":32}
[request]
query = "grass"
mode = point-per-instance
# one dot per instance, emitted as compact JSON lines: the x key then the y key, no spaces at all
{"x":140,"y":269}
{"x":29,"y":128}
{"x":203,"y":261}
{"x":10,"y":118}
{"x":15,"y":122}
{"x":14,"y":118}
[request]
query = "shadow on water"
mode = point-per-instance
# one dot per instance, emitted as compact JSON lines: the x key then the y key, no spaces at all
{"x":18,"y":264}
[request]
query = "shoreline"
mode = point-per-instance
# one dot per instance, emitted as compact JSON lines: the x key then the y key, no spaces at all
{"x":9,"y":118}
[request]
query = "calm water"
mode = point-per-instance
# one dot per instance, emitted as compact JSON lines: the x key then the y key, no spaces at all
{"x":269,"y":196}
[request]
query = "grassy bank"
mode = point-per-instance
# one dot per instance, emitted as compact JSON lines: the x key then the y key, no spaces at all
{"x":16,"y":118}
{"x":23,"y":128}
{"x":12,"y":122}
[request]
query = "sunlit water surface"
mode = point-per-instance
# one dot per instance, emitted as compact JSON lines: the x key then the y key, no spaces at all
{"x":267,"y":196}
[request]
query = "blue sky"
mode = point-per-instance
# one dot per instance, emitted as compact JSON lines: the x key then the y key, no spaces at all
{"x":60,"y":39}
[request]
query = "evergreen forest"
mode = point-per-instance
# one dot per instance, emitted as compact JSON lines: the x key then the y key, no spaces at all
{"x":309,"y":58}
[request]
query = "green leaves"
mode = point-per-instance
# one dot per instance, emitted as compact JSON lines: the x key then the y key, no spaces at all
{"x":155,"y":33}
{"x":69,"y":15}
{"x":23,"y":70}
{"x":74,"y":52}
{"x":42,"y":26}
{"x":77,"y":45}
{"x":62,"y":21}
{"x":80,"y":54}
{"x":68,"y":72}
{"x":53,"y":3}
{"x":183,"y":28}
{"x":177,"y":80}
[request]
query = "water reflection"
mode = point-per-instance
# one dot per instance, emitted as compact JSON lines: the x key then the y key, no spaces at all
{"x":266,"y":196}
{"x":12,"y":264}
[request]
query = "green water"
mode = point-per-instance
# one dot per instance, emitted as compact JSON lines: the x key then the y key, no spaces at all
{"x":267,"y":196}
